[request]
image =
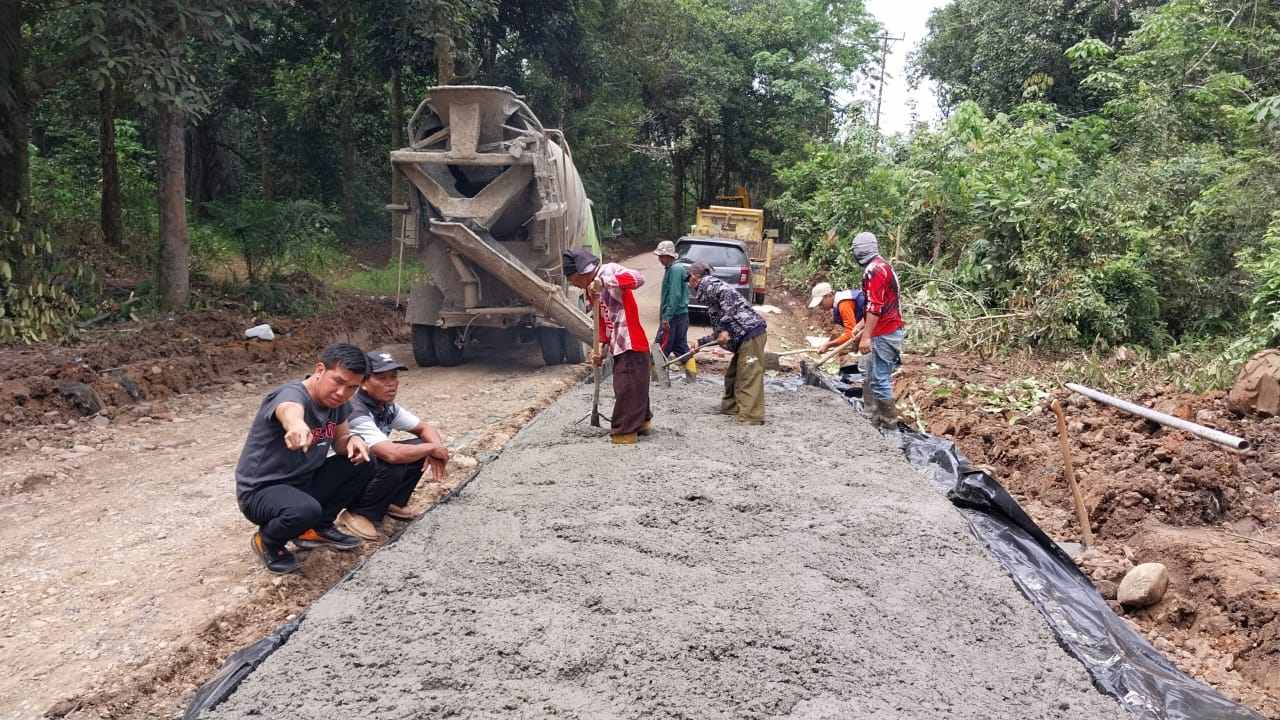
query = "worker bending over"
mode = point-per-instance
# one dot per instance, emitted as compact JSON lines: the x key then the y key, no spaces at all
{"x":741,"y":329}
{"x":883,"y":330}
{"x":609,"y":287}
{"x":847,"y":309}
{"x":397,"y":466}
{"x":287,"y":483}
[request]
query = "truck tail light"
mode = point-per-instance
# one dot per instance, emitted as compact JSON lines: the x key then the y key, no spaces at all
{"x":744,"y":275}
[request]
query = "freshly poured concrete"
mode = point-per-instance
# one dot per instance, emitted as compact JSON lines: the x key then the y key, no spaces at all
{"x":801,"y":569}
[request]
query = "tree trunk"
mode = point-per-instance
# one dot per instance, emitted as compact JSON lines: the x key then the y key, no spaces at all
{"x":678,"y":165}
{"x":112,"y":225}
{"x":444,"y":59}
{"x":346,"y":72}
{"x":264,"y":158}
{"x":938,"y":236}
{"x":15,"y":115}
{"x":708,"y":184}
{"x":397,"y":129}
{"x":174,"y":278}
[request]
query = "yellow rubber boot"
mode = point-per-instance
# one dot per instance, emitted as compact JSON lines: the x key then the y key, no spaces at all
{"x":623,"y":439}
{"x":690,"y":369}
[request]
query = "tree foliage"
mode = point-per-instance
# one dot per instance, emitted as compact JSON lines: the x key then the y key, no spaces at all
{"x":1146,"y":219}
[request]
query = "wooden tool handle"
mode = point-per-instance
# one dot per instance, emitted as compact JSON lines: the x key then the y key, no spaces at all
{"x":1068,"y":469}
{"x":857,"y":335}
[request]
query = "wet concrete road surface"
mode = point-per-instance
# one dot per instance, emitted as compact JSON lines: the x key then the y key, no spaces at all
{"x":795,"y":570}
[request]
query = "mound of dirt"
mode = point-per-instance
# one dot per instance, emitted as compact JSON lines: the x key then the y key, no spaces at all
{"x":123,"y":370}
{"x":1153,"y":495}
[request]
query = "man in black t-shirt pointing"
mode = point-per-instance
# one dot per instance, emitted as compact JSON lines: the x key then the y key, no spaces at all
{"x":284,"y":483}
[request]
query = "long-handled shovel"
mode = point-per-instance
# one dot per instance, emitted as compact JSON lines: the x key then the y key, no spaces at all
{"x":595,"y":368}
{"x":857,"y":333}
{"x":687,"y":355}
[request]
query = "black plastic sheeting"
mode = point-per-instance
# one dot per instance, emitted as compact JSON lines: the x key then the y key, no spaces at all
{"x":1121,"y":662}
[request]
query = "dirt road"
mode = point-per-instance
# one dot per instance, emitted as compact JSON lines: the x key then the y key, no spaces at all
{"x":125,"y":577}
{"x":125,"y":572}
{"x":713,"y":571}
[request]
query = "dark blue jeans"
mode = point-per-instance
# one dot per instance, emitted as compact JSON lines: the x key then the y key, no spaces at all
{"x":676,"y":342}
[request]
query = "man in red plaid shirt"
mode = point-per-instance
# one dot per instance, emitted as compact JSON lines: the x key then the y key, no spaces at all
{"x":611,"y":285}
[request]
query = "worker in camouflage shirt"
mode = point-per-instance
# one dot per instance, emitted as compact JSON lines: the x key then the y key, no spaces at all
{"x":742,"y":330}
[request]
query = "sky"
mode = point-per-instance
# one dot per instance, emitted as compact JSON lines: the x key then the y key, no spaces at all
{"x":909,"y":18}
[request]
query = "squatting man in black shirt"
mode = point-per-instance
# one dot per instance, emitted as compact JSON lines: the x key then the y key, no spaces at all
{"x":287,"y":482}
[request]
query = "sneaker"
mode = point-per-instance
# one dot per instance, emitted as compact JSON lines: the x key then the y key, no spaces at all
{"x":358,"y":525}
{"x":623,"y":439}
{"x":276,"y":558}
{"x":327,"y":537}
{"x":646,"y":428}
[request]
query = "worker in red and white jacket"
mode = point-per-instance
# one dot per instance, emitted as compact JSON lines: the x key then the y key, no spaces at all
{"x":611,"y":285}
{"x":882,"y":331}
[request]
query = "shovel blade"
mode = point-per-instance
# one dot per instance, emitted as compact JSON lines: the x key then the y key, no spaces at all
{"x":658,"y":365}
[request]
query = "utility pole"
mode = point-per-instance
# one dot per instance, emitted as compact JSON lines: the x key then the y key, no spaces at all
{"x":884,"y":61}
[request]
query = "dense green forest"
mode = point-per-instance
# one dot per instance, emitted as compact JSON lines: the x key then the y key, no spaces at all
{"x":163,"y":134}
{"x":1107,"y":171}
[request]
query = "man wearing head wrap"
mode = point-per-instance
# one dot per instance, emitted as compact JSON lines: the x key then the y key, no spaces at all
{"x":611,"y":285}
{"x":882,"y":332}
{"x":741,"y":329}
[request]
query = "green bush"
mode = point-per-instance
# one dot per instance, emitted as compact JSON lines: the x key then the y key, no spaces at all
{"x":277,"y":238}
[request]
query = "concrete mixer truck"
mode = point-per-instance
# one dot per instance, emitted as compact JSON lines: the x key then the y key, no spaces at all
{"x":493,"y":199}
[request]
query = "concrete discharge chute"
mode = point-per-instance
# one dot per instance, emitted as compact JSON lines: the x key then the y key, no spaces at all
{"x":493,"y":200}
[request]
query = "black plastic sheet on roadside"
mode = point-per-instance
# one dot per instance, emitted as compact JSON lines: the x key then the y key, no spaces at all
{"x":1121,"y":662}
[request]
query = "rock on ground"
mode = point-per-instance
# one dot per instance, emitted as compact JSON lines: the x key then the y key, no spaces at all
{"x":801,"y":569}
{"x":1144,"y":585}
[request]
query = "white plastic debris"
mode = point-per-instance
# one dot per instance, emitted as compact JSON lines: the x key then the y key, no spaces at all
{"x":768,"y":309}
{"x":815,"y":340}
{"x":261,"y":332}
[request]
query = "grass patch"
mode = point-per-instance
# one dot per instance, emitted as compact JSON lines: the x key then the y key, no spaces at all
{"x":380,"y":281}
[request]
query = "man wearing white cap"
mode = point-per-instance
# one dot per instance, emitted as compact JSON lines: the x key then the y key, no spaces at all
{"x":847,"y":308}
{"x":882,"y":332}
{"x":673,"y":334}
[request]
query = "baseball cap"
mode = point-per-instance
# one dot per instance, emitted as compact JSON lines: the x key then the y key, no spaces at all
{"x":819,"y":291}
{"x":666,"y":248}
{"x":579,"y":261}
{"x":380,"y":362}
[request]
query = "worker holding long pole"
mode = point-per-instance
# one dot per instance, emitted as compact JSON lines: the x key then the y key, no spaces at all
{"x":741,"y":329}
{"x":609,"y":287}
{"x":847,"y":308}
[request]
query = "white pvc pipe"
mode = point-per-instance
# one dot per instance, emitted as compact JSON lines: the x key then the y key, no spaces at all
{"x":1231,"y":441}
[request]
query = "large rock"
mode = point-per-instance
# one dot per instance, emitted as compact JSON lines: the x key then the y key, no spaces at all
{"x":1143,"y":586}
{"x":1257,"y":387}
{"x":82,"y":397}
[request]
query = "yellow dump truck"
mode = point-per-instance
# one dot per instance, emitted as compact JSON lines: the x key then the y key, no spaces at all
{"x":747,"y":226}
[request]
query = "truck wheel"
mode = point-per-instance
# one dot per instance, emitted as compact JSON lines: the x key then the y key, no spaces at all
{"x":575,"y":351}
{"x":446,"y":343}
{"x":424,"y":348}
{"x":552,"y":344}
